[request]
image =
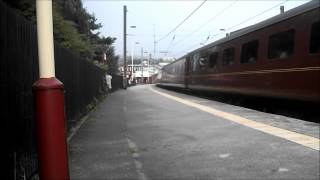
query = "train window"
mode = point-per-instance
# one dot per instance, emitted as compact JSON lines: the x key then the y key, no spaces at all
{"x":213,"y":60}
{"x":203,"y":61}
{"x":249,"y":52}
{"x":281,"y":45}
{"x":314,"y":46}
{"x":228,"y":56}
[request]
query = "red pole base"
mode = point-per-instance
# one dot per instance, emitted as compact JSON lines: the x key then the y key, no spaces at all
{"x":51,"y":129}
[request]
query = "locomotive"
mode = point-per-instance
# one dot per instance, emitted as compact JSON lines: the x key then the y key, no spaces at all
{"x":276,"y":58}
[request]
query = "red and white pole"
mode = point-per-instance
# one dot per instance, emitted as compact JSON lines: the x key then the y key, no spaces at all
{"x":49,"y":103}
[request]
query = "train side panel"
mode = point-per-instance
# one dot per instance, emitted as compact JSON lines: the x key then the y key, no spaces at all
{"x":296,"y":76}
{"x":174,"y":74}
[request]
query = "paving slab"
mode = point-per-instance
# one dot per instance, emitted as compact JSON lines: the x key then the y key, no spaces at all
{"x":99,"y":149}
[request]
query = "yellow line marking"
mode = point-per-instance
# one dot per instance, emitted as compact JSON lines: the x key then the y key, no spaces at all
{"x":301,"y":139}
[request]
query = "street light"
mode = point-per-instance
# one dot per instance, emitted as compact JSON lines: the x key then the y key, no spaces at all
{"x":125,"y":47}
{"x":142,"y":64}
{"x":132,"y":54}
{"x":148,"y":59}
{"x":149,"y":56}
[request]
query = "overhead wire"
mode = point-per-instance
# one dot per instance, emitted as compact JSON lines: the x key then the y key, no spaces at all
{"x":195,"y":10}
{"x":177,"y":25}
{"x":173,"y":38}
{"x":257,"y":15}
{"x":207,"y":22}
{"x":188,"y":49}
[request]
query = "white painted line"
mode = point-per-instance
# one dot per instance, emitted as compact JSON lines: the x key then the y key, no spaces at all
{"x":301,"y":139}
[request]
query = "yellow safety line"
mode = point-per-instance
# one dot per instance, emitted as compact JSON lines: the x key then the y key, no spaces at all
{"x":301,"y":139}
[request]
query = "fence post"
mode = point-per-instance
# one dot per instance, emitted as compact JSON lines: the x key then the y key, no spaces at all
{"x":49,"y":103}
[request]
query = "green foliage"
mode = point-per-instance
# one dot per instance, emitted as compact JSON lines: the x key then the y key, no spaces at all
{"x":68,"y":36}
{"x":28,"y":9}
{"x":76,"y":29}
{"x":113,"y":65}
{"x":92,"y":22}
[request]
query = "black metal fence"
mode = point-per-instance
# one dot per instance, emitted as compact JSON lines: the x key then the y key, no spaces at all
{"x":84,"y":82}
{"x":116,"y":82}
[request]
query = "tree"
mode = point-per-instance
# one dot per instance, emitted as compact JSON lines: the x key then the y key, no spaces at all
{"x":74,"y":28}
{"x":68,"y":36}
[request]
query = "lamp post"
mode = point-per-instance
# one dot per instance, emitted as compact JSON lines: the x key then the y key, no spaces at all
{"x":132,"y":49}
{"x":132,"y":54}
{"x":149,"y":64}
{"x":149,"y":57}
{"x":148,"y":67}
{"x":49,"y":103}
{"x":142,"y":64}
{"x":125,"y":47}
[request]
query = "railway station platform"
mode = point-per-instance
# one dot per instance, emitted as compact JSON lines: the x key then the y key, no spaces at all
{"x":146,"y":132}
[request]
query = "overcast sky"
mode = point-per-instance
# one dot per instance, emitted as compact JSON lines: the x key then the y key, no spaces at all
{"x":160,"y":17}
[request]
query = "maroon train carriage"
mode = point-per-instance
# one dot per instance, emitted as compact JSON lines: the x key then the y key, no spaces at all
{"x":278,"y":58}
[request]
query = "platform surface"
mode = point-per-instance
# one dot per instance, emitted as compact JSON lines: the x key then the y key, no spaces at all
{"x":146,"y":132}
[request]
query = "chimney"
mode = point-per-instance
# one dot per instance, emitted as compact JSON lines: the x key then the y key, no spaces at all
{"x":281,"y":9}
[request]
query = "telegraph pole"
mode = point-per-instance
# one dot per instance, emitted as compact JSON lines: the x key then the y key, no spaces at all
{"x":125,"y":47}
